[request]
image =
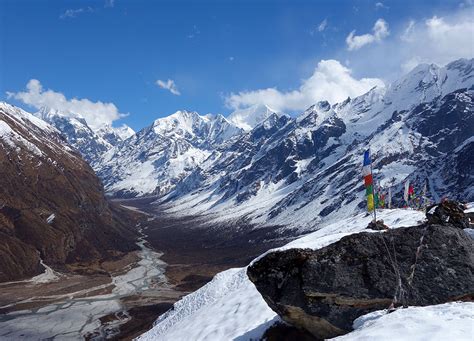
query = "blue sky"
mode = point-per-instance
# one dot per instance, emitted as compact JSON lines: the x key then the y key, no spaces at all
{"x":116,"y":51}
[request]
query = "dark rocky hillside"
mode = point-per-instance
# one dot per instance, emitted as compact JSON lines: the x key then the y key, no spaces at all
{"x":52,"y":206}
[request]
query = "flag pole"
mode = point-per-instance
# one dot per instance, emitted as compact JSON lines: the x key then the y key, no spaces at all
{"x":390,"y":196}
{"x":373,"y":187}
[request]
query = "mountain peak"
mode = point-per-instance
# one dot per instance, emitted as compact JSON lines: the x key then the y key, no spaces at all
{"x":180,"y":122}
{"x":114,"y":135}
{"x":316,"y":113}
{"x":250,"y":117}
{"x":48,"y":114}
{"x":429,"y":81}
{"x":124,"y":131}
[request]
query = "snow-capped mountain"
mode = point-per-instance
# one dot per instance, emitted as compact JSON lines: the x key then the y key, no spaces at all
{"x":92,"y":144}
{"x":248,"y":118}
{"x":114,"y":135}
{"x":298,"y":171}
{"x":271,"y":168}
{"x":158,"y":157}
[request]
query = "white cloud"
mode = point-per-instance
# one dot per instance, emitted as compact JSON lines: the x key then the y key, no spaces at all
{"x":407,"y":34}
{"x":319,"y":28}
{"x":95,"y":113}
{"x":380,"y":31}
{"x":438,"y":40}
{"x":330,"y":81}
{"x":72,"y":13}
{"x":322,"y":26}
{"x":169,"y":85}
{"x":380,"y":5}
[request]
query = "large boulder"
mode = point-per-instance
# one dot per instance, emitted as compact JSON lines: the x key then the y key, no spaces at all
{"x":323,"y":291}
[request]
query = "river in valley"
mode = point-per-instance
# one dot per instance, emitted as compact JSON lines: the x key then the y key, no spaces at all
{"x":95,"y":311}
{"x":120,"y":299}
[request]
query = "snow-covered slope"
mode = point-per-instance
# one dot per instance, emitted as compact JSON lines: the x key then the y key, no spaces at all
{"x":39,"y":132}
{"x":250,"y":117}
{"x":92,"y":144}
{"x":158,"y":157}
{"x":298,"y":172}
{"x":114,"y":135}
{"x":230,"y":307}
{"x":449,"y":321}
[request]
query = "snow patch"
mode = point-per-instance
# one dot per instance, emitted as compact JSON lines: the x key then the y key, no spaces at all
{"x":450,"y":321}
{"x":50,"y":219}
{"x":249,"y":118}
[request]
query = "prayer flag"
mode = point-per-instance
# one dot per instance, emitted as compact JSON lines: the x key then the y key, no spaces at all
{"x":368,"y":181}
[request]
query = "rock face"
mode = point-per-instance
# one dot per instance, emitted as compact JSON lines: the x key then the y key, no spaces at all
{"x":323,"y":291}
{"x":52,"y":205}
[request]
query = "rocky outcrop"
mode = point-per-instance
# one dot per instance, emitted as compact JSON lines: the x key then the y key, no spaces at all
{"x":323,"y":291}
{"x":52,"y":206}
{"x":448,"y":212}
{"x":377,"y":225}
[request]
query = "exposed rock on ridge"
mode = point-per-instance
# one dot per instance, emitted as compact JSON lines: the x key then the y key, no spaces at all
{"x":325,"y":290}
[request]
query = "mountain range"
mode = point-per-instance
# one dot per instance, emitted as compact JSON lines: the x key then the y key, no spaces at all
{"x":91,"y":143}
{"x":269,"y":168}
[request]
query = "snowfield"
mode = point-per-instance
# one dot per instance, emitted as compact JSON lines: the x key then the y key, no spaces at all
{"x":449,"y":321}
{"x":230,"y":307}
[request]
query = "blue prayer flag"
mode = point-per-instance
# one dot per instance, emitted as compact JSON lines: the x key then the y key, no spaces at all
{"x":367,"y":160}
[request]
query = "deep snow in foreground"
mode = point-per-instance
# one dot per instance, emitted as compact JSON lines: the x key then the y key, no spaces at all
{"x":230,"y":307}
{"x":449,"y":321}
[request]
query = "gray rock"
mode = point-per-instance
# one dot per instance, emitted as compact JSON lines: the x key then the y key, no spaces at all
{"x":323,"y":291}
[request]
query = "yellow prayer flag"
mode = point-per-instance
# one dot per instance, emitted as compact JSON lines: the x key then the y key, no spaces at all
{"x":370,"y":202}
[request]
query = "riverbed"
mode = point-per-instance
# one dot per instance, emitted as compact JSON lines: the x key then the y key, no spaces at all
{"x":120,"y":301}
{"x":96,"y":310}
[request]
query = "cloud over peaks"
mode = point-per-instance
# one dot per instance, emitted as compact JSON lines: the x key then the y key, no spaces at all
{"x":95,"y":113}
{"x":330,"y":81}
{"x":438,"y":40}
